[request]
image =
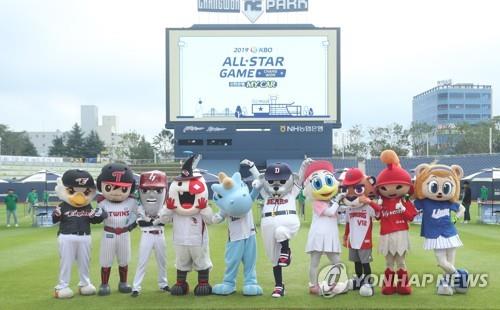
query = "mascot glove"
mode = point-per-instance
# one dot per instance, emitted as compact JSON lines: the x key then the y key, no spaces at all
{"x":257,"y":184}
{"x":247,"y":162}
{"x":202,"y":203}
{"x":145,"y":218}
{"x":98,"y":212}
{"x":340,"y":197}
{"x":171,"y":203}
{"x":57,"y":211}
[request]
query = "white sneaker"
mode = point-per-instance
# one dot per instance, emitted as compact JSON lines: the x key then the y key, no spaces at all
{"x":8,"y":225}
{"x":17,"y":225}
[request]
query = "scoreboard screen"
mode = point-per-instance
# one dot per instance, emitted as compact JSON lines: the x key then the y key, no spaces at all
{"x":232,"y":74}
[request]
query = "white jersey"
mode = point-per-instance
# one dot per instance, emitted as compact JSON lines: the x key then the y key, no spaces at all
{"x":287,"y":202}
{"x":118,"y":212}
{"x":241,"y":227}
{"x":360,"y":226}
{"x":190,"y":230}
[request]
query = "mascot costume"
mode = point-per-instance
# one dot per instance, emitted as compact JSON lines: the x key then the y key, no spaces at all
{"x":437,"y":190}
{"x":116,"y":184}
{"x":393,"y":185}
{"x":320,"y":187}
{"x":152,"y":192}
{"x":188,"y":210}
{"x":235,"y":204}
{"x":278,"y":187}
{"x":76,"y":189}
{"x":358,"y":229}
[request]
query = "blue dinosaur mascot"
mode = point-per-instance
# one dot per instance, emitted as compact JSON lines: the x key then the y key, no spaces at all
{"x":235,"y":204}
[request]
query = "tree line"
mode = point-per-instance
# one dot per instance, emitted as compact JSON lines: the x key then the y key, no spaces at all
{"x":15,"y":143}
{"x":420,"y":139}
{"x":129,"y":146}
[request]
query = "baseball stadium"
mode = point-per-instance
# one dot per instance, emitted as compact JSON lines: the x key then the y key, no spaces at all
{"x":271,"y":154}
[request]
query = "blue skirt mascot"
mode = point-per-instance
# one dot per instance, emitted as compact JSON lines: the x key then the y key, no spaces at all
{"x":235,"y":203}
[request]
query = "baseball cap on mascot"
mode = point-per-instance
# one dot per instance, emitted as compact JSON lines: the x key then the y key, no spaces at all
{"x":152,"y":191}
{"x":116,"y":182}
{"x":153,"y":179}
{"x":116,"y":174}
{"x":188,"y":189}
{"x":277,"y":171}
{"x":353,"y":176}
{"x":82,"y":187}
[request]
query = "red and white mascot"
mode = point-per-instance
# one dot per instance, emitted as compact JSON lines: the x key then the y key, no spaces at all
{"x":187,"y":208}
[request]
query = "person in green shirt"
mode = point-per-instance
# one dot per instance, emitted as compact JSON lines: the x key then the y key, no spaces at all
{"x":32,"y":200}
{"x":45,"y":198}
{"x":10,"y":202}
{"x":483,"y":193}
{"x":302,"y":203}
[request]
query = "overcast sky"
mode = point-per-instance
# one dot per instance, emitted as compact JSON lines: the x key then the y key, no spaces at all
{"x":57,"y":55}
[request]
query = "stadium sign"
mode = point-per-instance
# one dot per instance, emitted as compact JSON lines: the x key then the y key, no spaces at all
{"x":221,"y":6}
{"x":253,"y":9}
{"x":301,"y":129}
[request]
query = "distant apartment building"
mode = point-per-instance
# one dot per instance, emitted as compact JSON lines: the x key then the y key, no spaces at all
{"x":449,"y":104}
{"x":42,"y":140}
{"x":108,"y":130}
{"x":89,"y":118}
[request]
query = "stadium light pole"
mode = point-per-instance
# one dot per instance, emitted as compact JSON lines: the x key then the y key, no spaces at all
{"x":491,"y":140}
{"x":427,"y":145}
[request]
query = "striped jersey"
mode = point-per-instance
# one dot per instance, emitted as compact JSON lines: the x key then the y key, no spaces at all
{"x":118,"y":212}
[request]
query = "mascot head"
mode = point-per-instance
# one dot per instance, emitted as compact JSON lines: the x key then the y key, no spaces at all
{"x":278,"y":180}
{"x":152,"y":191}
{"x":187,"y":188}
{"x":354,"y":186}
{"x":76,"y":187}
{"x":319,"y":181}
{"x":393,"y":181}
{"x":231,"y":195}
{"x":116,"y":182}
{"x":438,"y":182}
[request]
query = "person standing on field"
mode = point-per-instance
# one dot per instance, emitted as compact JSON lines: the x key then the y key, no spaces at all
{"x":11,"y":203}
{"x":32,"y":200}
{"x":466,"y":200}
{"x":483,"y":193}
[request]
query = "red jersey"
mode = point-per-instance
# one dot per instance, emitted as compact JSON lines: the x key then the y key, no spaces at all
{"x":393,"y":219}
{"x":358,"y":228}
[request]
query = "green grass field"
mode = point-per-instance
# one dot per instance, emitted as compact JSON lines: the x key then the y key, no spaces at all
{"x":29,"y":270}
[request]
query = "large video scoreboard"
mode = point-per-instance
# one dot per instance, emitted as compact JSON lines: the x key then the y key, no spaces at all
{"x":253,"y":74}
